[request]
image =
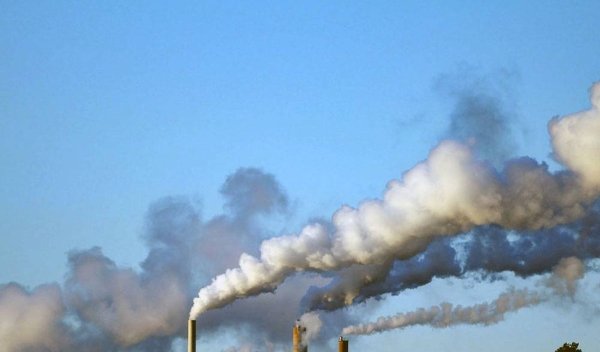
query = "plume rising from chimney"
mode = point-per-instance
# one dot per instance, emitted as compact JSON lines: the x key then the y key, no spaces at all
{"x":450,"y":193}
{"x":297,"y":338}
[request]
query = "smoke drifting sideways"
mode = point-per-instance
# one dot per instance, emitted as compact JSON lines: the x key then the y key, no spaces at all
{"x":563,"y":281}
{"x":449,"y":194}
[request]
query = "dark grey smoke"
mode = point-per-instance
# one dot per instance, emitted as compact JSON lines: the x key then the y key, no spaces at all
{"x":486,"y":251}
{"x":250,"y":191}
{"x":564,"y":281}
{"x":249,"y":194}
{"x":357,"y":284}
{"x":483,"y":111}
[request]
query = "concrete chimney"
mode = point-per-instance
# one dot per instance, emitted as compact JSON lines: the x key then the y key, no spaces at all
{"x":342,"y":345}
{"x":191,"y":335}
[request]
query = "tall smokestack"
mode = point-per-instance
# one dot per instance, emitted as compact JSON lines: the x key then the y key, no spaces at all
{"x":191,"y":335}
{"x":342,"y":345}
{"x":299,"y":345}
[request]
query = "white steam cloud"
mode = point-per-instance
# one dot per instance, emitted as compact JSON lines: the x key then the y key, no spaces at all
{"x":313,"y":324}
{"x":448,"y":194}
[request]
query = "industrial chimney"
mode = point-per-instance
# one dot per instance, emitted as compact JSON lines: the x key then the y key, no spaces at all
{"x":299,"y":345}
{"x":191,"y":335}
{"x":342,"y":345}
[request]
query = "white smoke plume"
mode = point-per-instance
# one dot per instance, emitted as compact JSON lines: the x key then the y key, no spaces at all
{"x":575,"y":141}
{"x":448,"y":194}
{"x":313,"y":324}
{"x":563,"y":281}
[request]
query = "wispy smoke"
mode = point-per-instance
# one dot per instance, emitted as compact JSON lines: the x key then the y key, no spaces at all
{"x":482,"y":114}
{"x":446,"y":314}
{"x":450,"y":193}
{"x":565,"y":275}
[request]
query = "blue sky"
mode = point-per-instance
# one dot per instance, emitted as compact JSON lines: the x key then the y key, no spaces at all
{"x":106,"y":108}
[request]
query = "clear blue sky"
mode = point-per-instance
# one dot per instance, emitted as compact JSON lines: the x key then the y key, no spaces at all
{"x":106,"y":107}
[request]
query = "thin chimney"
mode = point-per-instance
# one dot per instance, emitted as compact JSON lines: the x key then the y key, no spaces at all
{"x":191,"y":335}
{"x":299,"y":345}
{"x":342,"y":345}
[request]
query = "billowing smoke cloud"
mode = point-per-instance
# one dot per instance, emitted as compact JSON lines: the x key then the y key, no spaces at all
{"x":448,"y":194}
{"x":40,"y":311}
{"x":360,"y":282}
{"x":126,"y":306}
{"x":141,"y":310}
{"x":487,"y":251}
{"x":313,"y":324}
{"x":449,"y":216}
{"x":104,"y":307}
{"x":563,"y":281}
{"x":575,"y":141}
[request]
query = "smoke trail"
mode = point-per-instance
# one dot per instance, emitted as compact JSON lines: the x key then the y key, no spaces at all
{"x":446,"y":314}
{"x":566,"y":274}
{"x":448,"y":194}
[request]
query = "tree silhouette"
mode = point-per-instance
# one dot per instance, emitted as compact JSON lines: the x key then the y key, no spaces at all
{"x":569,"y":347}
